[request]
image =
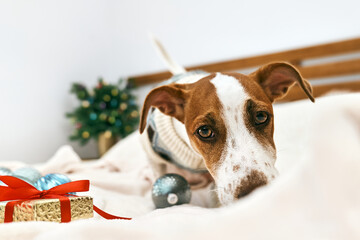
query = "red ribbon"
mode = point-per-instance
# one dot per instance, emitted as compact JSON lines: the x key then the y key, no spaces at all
{"x":21,"y":191}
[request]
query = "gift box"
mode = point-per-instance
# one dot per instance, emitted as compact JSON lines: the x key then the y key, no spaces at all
{"x":20,"y":201}
{"x":49,"y":209}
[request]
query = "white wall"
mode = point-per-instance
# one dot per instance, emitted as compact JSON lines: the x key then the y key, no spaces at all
{"x":46,"y":45}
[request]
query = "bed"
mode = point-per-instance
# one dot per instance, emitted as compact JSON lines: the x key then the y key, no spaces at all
{"x":316,"y":196}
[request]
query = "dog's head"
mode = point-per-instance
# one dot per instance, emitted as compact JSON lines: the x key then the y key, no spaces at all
{"x":229,"y":121}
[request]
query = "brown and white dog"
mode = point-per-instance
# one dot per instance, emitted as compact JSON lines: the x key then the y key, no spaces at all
{"x":228,"y":120}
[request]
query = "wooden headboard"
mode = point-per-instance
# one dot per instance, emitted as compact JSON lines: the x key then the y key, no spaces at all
{"x":339,"y":60}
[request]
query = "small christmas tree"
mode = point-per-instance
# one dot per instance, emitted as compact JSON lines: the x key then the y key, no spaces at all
{"x":108,"y":109}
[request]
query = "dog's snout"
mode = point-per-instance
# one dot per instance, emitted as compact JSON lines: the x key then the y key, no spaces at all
{"x":252,"y":181}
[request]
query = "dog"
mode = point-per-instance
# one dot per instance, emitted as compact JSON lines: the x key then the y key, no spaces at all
{"x":222,"y":123}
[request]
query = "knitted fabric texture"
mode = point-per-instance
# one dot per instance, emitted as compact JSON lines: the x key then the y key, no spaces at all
{"x":166,"y":141}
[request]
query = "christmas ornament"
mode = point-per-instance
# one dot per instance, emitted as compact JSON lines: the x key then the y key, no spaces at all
{"x":6,"y":172}
{"x":169,"y":190}
{"x":114,"y":92}
{"x":51,"y":180}
{"x":118,"y":123}
{"x":85,"y":134}
{"x":124,"y":96}
{"x":111,"y":120}
{"x":103,"y":116}
{"x":107,"y":98}
{"x":93,"y":116}
{"x":114,"y":103}
{"x":102,"y":105}
{"x":123,"y":106}
{"x":134,"y":114}
{"x":85,"y":104}
{"x":28,"y":174}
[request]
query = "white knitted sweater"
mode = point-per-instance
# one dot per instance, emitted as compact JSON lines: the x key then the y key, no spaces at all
{"x":165,"y":146}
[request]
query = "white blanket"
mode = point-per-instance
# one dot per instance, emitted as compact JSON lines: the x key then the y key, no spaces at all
{"x":316,"y":196}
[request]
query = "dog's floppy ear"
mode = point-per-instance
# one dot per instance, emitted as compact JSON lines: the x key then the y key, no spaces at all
{"x":169,"y":99}
{"x":277,"y":77}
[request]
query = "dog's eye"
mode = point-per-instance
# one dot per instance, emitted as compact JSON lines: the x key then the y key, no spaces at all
{"x":205,"y":132}
{"x":261,"y":117}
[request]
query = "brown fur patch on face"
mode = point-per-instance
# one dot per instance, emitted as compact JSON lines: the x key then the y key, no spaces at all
{"x":236,"y":168}
{"x":203,"y":109}
{"x":259,"y":102}
{"x":254,"y":180}
{"x":233,"y":143}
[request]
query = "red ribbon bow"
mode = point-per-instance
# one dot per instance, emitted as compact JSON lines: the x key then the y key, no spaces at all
{"x":20,"y":191}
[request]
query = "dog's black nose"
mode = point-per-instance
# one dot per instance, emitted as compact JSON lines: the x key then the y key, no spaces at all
{"x":254,"y":180}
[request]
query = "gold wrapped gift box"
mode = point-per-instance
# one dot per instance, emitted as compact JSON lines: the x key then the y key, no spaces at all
{"x":49,"y":210}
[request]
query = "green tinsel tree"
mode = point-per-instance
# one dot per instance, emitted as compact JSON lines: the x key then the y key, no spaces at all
{"x":108,"y":109}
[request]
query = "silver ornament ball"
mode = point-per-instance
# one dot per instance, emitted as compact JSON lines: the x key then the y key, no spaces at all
{"x":169,"y":190}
